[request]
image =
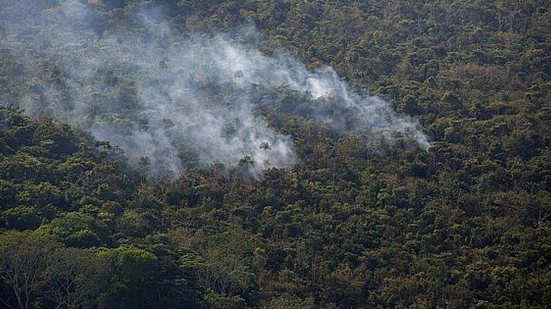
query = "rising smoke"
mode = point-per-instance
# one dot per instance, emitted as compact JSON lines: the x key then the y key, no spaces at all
{"x":161,"y":95}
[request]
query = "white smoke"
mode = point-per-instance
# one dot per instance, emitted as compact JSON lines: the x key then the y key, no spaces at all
{"x":161,"y":95}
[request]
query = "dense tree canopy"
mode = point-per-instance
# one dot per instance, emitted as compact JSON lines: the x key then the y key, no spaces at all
{"x":354,"y":224}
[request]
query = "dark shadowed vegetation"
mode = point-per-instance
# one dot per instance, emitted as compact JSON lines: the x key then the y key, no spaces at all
{"x":356,"y":223}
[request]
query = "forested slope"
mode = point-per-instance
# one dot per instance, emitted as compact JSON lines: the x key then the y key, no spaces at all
{"x":354,"y":223}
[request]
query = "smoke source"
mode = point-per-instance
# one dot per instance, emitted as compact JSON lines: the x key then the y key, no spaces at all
{"x":165,"y":98}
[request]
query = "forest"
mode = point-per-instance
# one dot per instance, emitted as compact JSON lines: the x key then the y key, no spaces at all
{"x":347,"y":213}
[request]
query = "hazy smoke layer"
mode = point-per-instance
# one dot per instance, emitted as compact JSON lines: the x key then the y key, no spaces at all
{"x":168,"y":99}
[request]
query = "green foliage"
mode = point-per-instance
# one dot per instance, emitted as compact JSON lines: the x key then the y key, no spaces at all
{"x":78,"y":230}
{"x":131,"y":270}
{"x":76,"y":277}
{"x":23,"y":260}
{"x":355,"y":223}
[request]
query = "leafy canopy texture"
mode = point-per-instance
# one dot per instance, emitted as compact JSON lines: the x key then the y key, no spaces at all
{"x":250,"y":188}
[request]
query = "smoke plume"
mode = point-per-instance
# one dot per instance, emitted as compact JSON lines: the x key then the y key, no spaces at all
{"x":170,"y":101}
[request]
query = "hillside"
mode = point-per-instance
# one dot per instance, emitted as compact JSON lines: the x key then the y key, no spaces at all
{"x":422,"y":178}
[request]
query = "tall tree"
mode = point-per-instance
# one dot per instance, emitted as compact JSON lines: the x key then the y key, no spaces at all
{"x":23,"y":259}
